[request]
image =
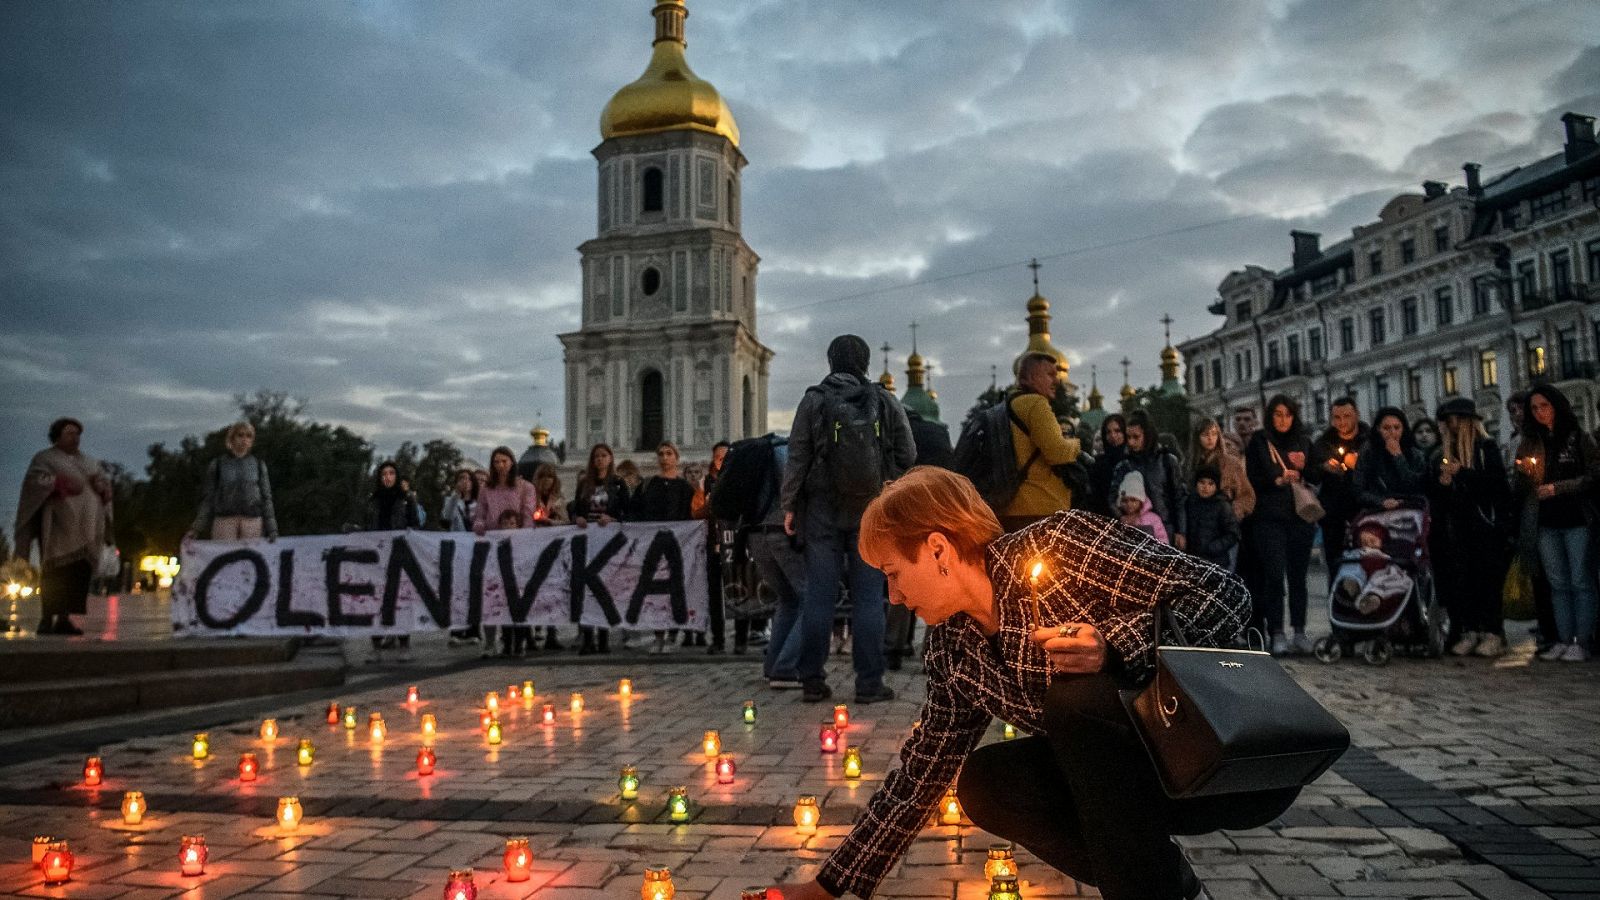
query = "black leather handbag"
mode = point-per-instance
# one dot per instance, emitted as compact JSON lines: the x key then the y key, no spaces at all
{"x":1219,"y":721}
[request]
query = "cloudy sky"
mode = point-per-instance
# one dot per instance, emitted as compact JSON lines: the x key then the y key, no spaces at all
{"x":375,"y":205}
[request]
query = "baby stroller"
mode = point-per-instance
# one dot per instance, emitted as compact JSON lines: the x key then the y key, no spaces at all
{"x":1383,"y":596}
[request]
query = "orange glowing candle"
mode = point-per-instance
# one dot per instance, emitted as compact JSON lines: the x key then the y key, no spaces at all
{"x":513,"y":692}
{"x":527,"y":693}
{"x":806,"y":814}
{"x":841,"y":717}
{"x":712,"y":743}
{"x":625,"y":688}
{"x":41,"y":845}
{"x":950,"y":809}
{"x":491,"y":701}
{"x":269,"y":729}
{"x":1001,"y":862}
{"x":430,"y":725}
{"x":289,"y":813}
{"x":1033,"y":589}
{"x":192,"y":854}
{"x":333,"y":713}
{"x":426,"y":760}
{"x":549,"y":714}
{"x":577,"y":703}
{"x":725,"y":770}
{"x":412,"y":696}
{"x":518,"y":859}
{"x":376,"y":729}
{"x":657,"y":884}
{"x":248,"y":767}
{"x":93,"y":771}
{"x":133,"y":807}
{"x":56,"y":863}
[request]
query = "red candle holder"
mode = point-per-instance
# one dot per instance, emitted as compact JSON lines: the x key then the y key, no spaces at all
{"x":549,"y":714}
{"x":333,"y":713}
{"x":518,"y":859}
{"x":460,"y":886}
{"x":56,"y":864}
{"x":513,"y":692}
{"x":484,"y":718}
{"x":192,"y":854}
{"x":93,"y":771}
{"x":426,"y":760}
{"x":248,"y":767}
{"x":725,"y":769}
{"x":828,"y":736}
{"x":411,"y":694}
{"x":841,"y":717}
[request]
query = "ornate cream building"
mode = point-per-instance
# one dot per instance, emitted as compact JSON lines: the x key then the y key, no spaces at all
{"x":1476,"y":291}
{"x":667,"y":349}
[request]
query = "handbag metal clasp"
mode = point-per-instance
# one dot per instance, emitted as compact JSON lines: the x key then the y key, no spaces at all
{"x":1230,"y":664}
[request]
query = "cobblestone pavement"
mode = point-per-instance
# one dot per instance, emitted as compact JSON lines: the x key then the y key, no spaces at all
{"x":1469,"y":778}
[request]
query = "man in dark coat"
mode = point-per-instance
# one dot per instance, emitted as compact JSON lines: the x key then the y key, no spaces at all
{"x":1333,"y":467}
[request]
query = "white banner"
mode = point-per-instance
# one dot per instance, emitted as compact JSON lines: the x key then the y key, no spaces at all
{"x":639,"y":575}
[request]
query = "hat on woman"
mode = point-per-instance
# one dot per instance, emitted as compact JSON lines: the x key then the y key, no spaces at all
{"x":1459,"y":406}
{"x":1133,"y":486}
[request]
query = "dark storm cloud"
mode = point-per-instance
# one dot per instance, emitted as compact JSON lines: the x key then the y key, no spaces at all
{"x":376,"y":206}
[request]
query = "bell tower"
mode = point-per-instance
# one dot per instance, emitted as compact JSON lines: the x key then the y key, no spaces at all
{"x":667,"y":349}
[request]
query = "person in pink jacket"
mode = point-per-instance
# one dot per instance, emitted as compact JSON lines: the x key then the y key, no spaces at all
{"x":505,"y":492}
{"x":1134,"y":505}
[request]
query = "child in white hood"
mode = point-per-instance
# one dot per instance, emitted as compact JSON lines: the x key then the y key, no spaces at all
{"x":1134,"y":504}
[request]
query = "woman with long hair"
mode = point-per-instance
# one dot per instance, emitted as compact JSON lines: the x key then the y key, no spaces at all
{"x":1469,"y":493}
{"x":1275,"y":460}
{"x":1390,"y":470}
{"x":664,"y":497}
{"x":1113,"y":450}
{"x":504,"y":493}
{"x":1557,"y":466}
{"x":1049,"y":654}
{"x":389,"y":509}
{"x":603,"y":498}
{"x":1207,"y":448}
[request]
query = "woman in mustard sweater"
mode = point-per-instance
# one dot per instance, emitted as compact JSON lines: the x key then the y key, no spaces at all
{"x":1039,"y":443}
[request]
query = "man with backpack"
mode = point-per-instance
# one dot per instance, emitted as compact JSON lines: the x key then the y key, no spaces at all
{"x":850,"y":435}
{"x":1010,"y":451}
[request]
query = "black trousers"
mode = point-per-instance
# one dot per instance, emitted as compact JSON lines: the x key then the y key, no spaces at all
{"x":64,"y":590}
{"x":1334,"y":532}
{"x":1086,"y":798}
{"x":1283,"y":547}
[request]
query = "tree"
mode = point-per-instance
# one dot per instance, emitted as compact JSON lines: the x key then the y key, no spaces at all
{"x":319,"y":473}
{"x":5,"y":545}
{"x":1170,"y":413}
{"x":431,"y":473}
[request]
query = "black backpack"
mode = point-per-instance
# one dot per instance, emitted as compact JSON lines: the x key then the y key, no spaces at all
{"x":986,"y":454}
{"x":743,"y":493}
{"x":850,"y":444}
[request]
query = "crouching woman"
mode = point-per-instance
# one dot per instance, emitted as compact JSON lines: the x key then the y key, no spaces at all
{"x":1081,"y":793}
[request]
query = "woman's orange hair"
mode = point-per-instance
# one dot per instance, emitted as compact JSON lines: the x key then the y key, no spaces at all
{"x":924,"y":500}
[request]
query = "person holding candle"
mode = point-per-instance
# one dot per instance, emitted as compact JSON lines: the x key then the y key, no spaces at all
{"x":1277,"y":457}
{"x":65,"y":508}
{"x":1334,"y":456}
{"x":1470,"y":498}
{"x":1080,"y":793}
{"x":1555,"y":480}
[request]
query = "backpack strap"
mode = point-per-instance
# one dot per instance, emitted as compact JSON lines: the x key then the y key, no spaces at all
{"x":1023,"y":427}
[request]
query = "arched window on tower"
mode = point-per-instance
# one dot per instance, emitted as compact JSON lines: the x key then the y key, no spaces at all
{"x":651,"y":194}
{"x":731,"y":203}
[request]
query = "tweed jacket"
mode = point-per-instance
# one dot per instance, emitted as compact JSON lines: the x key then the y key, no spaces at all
{"x":1095,"y":570}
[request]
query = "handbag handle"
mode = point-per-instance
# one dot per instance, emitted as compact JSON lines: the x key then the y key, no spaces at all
{"x":1162,"y":613}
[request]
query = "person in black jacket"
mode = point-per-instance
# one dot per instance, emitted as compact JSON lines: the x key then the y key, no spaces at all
{"x":664,"y":497}
{"x":1333,"y":469}
{"x":1213,"y":531}
{"x":1471,"y":499}
{"x":1112,"y":451}
{"x":1275,"y":459}
{"x":933,"y":449}
{"x":1391,"y":468}
{"x":390,"y":509}
{"x":1162,"y":472}
{"x":602,"y":496}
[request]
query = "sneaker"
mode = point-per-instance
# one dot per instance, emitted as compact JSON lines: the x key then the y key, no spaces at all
{"x":1280,"y":645}
{"x":815,"y":691}
{"x":883,"y":694}
{"x":1468,"y":644}
{"x":716,"y":649}
{"x":1574,"y":653}
{"x":1302,"y":643}
{"x":1490,"y":646}
{"x":1553,"y":652}
{"x":758,"y":637}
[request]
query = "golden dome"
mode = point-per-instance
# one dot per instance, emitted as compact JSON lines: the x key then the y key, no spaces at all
{"x":887,"y":380}
{"x":668,"y":96}
{"x":1038,"y":305}
{"x":1169,"y":354}
{"x":540,"y":435}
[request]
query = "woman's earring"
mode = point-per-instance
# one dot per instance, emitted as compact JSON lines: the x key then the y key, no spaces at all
{"x":943,"y":570}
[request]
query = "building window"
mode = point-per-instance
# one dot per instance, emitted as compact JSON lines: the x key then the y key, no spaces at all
{"x":1508,"y":218}
{"x":1199,"y":378}
{"x":1319,"y":407}
{"x":1567,"y":340}
{"x":1241,"y":311}
{"x":1347,"y":335}
{"x":651,"y":192}
{"x":1413,"y":386}
{"x":1482,"y":295}
{"x":1375,"y":327}
{"x":1375,"y":262}
{"x":1533,"y":350}
{"x":1249,"y":365}
{"x":1488,"y":369}
{"x":1350,"y":391}
{"x":1380,"y":391}
{"x":1448,"y":381}
{"x":1238,"y":367}
{"x":1591,"y":189}
{"x":1408,"y":251}
{"x":1410,"y":321}
{"x":1216,"y":372}
{"x":1548,"y":205}
{"x":1591,"y":252}
{"x":1561,"y":274}
{"x":650,"y":281}
{"x":1527,"y":281}
{"x":1272,"y":356}
{"x":1441,"y":239}
{"x":1314,"y":340}
{"x":1294,"y":354}
{"x":1323,"y":284}
{"x":1444,"y":307}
